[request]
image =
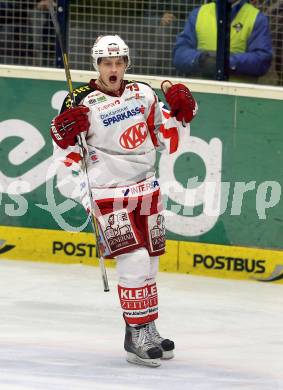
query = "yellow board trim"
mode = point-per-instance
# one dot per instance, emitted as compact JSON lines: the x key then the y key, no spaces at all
{"x":230,"y":262}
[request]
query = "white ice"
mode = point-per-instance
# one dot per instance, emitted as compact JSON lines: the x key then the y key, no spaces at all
{"x":60,"y":331}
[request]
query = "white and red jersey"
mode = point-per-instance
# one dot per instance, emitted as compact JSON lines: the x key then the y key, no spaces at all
{"x":125,"y":132}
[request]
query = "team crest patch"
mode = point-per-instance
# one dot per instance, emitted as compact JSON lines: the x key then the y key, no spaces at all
{"x":156,"y":230}
{"x":97,"y":99}
{"x":117,"y":230}
{"x":134,"y":136}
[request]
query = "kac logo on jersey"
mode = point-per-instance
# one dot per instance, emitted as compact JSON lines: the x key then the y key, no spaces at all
{"x":134,"y":136}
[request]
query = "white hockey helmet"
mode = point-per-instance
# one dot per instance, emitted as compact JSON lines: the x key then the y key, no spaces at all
{"x":109,"y":46}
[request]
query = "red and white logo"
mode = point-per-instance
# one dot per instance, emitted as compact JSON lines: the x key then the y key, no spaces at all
{"x":134,"y":136}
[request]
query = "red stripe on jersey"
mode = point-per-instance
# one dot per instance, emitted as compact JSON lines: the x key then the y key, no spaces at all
{"x":172,"y":134}
{"x":151,"y":124}
{"x":166,"y":114}
{"x":71,"y":158}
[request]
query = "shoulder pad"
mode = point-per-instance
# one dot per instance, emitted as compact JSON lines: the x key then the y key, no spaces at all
{"x":79,"y":94}
{"x":138,"y":82}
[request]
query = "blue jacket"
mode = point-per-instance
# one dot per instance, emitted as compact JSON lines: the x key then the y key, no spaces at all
{"x":254,"y":62}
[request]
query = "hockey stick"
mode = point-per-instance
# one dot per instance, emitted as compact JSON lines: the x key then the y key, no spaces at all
{"x":81,"y":144}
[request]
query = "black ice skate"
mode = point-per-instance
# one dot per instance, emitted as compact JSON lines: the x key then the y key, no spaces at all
{"x":140,"y":349}
{"x":167,"y":346}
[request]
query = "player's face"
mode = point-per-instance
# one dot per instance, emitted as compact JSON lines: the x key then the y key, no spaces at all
{"x":112,"y":72}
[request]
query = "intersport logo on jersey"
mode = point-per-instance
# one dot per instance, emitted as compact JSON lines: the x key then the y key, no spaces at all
{"x":134,"y":136}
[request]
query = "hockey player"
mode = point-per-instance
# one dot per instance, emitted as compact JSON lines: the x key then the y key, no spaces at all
{"x":124,"y":125}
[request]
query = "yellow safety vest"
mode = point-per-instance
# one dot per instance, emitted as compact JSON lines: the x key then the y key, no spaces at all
{"x":241,"y":27}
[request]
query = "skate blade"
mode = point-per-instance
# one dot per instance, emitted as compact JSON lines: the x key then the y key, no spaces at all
{"x":166,"y":355}
{"x":134,"y":359}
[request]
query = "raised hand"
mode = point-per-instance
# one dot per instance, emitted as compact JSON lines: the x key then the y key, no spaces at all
{"x":66,"y":126}
{"x":178,"y":96}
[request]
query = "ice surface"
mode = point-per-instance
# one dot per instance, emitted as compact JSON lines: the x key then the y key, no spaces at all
{"x":60,"y":331}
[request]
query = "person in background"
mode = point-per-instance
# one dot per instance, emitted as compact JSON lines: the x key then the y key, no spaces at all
{"x":15,"y":47}
{"x":273,"y":9}
{"x":26,"y":32}
{"x":42,"y":33}
{"x":194,"y":53}
{"x":168,"y":11}
{"x":161,"y":22}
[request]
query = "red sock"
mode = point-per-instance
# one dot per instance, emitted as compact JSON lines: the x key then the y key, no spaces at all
{"x":135,"y":304}
{"x":152,"y":301}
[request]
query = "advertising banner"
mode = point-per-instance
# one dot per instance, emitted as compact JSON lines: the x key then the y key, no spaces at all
{"x":221,"y":188}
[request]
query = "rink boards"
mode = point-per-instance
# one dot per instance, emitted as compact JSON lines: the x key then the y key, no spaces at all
{"x":222,"y":261}
{"x":232,"y":155}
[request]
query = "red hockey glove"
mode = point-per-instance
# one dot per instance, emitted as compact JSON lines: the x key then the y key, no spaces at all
{"x":181,"y":101}
{"x":66,"y":126}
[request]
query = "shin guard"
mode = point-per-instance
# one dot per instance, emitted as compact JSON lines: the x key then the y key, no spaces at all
{"x":152,"y":301}
{"x":135,"y":304}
